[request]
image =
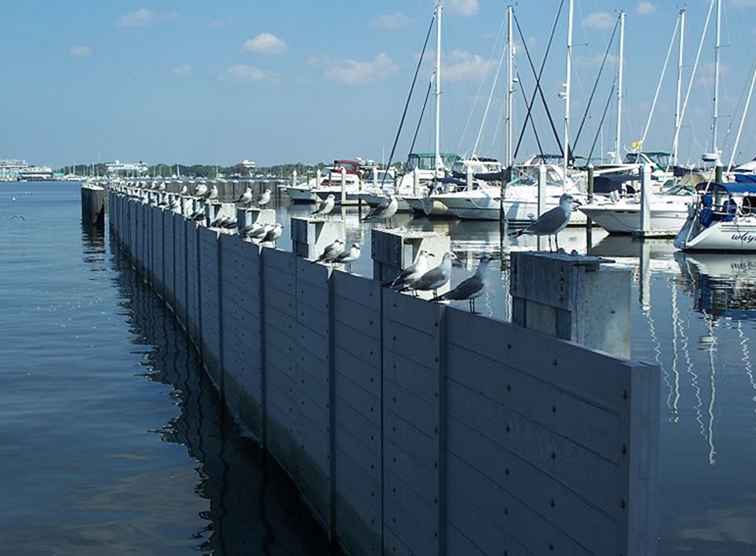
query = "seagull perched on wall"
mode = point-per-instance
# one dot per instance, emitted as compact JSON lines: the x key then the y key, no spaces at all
{"x":200,"y":190}
{"x":259,"y":231}
{"x":384,"y":211}
{"x":246,"y":197}
{"x":551,"y":222}
{"x":436,"y":277}
{"x":212,"y":194}
{"x":331,"y":252}
{"x":264,"y":199}
{"x":470,"y":289}
{"x":327,"y":207}
{"x":348,"y":257}
{"x":184,"y":190}
{"x":273,"y":234}
{"x":409,"y":275}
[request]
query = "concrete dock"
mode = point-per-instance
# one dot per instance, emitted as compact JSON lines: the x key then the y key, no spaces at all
{"x":411,"y":427}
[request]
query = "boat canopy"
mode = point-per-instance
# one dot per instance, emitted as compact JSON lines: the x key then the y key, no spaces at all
{"x":662,"y":160}
{"x":731,"y":188}
{"x":426,"y":161}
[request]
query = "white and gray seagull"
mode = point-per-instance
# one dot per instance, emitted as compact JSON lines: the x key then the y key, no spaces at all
{"x":469,"y":289}
{"x":551,"y":222}
{"x":212,"y":194}
{"x":436,"y":277}
{"x":200,"y":190}
{"x":384,"y":211}
{"x":348,"y":257}
{"x":327,"y":207}
{"x":410,"y":274}
{"x":264,"y":198}
{"x":184,"y":190}
{"x":259,"y":232}
{"x":273,"y":234}
{"x":331,"y":252}
{"x":246,"y":197}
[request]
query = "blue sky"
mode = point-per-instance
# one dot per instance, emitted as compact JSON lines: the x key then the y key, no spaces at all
{"x":284,"y":81}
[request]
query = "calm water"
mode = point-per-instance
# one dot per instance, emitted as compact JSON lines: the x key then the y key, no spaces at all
{"x":112,"y":441}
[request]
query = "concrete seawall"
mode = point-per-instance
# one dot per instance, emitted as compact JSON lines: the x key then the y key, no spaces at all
{"x":410,"y":427}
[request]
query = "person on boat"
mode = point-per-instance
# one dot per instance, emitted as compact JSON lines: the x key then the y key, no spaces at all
{"x":729,"y":209}
{"x":707,"y":214}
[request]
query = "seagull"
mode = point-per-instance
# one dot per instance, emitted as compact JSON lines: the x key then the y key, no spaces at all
{"x":273,"y":234}
{"x":552,"y":222}
{"x":331,"y":252}
{"x":219,"y":221}
{"x":246,"y":230}
{"x":327,"y":206}
{"x":230,"y":224}
{"x":184,"y":190}
{"x":213,"y":193}
{"x":408,"y":275}
{"x":264,"y":199}
{"x":200,"y":190}
{"x":348,"y":257}
{"x":161,"y":187}
{"x":246,"y":197}
{"x":198,"y":216}
{"x":260,"y":232}
{"x":383,"y":211}
{"x":469,"y":289}
{"x":436,"y":277}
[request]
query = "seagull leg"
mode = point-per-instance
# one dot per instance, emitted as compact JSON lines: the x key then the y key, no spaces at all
{"x":556,"y":240}
{"x":549,"y":244}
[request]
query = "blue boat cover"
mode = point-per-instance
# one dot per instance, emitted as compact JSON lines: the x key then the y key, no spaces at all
{"x":733,"y":188}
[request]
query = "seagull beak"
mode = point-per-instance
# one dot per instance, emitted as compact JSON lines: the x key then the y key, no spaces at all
{"x":576,"y":202}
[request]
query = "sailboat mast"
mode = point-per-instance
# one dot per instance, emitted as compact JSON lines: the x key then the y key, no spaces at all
{"x":439,"y":13}
{"x":568,"y":85}
{"x":620,"y":65}
{"x":678,"y":114}
{"x":717,"y":47}
{"x":510,"y":81}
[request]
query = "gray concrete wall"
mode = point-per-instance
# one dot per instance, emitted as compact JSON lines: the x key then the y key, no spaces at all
{"x":411,"y":427}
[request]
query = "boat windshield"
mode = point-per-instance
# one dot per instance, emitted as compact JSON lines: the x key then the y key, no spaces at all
{"x":426,"y":161}
{"x":661,"y":160}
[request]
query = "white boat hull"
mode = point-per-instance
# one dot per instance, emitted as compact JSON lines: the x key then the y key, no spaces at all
{"x":517,"y":212}
{"x":738,"y":235}
{"x":426,"y":206}
{"x":626,"y":220}
{"x":301,"y":194}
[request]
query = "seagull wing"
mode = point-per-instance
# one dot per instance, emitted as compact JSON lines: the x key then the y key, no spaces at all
{"x":469,"y":288}
{"x":431,"y":280}
{"x":548,"y":223}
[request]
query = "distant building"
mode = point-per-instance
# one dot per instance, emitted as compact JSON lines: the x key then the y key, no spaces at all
{"x":10,"y":169}
{"x":118,"y":168}
{"x":35,"y":173}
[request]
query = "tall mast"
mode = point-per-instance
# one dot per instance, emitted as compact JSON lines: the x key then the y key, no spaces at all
{"x":678,"y":114}
{"x":620,"y":64}
{"x":567,"y":86}
{"x":717,"y":46}
{"x":510,"y":81}
{"x":439,"y":11}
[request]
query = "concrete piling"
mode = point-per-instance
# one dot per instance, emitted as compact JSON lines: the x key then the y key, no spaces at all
{"x":310,"y":236}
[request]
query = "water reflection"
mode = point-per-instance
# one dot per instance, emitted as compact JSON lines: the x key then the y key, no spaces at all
{"x":252,"y":506}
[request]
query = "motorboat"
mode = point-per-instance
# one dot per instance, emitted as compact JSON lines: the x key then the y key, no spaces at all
{"x":722,"y":219}
{"x":483,"y":201}
{"x":348,"y":171}
{"x":668,"y":210}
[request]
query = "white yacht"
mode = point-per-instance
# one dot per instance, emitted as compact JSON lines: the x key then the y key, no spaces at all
{"x":520,"y":203}
{"x":668,"y":209}
{"x":330,"y":182}
{"x":723,"y":219}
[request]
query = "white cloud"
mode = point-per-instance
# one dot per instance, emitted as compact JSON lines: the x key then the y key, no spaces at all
{"x":744,"y":3}
{"x":244,"y":72}
{"x":645,"y":8}
{"x":461,"y":65}
{"x":391,"y":22}
{"x":354,"y":72}
{"x":599,"y":20}
{"x":265,"y":43}
{"x":464,"y":7}
{"x":182,"y":70}
{"x":81,"y":51}
{"x":143,"y":18}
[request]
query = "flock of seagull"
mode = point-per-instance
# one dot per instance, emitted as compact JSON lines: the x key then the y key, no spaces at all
{"x":420,"y":276}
